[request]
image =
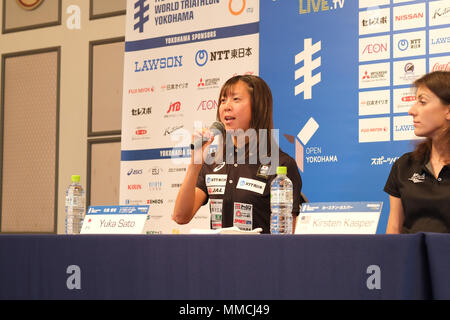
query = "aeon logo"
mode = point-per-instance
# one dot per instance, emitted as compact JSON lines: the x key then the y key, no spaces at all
{"x":232,"y":7}
{"x":201,"y":58}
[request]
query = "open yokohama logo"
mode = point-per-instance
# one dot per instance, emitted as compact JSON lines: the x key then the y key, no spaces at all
{"x":29,"y":4}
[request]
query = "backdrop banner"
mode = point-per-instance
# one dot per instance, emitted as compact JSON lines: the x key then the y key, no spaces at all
{"x":341,"y":73}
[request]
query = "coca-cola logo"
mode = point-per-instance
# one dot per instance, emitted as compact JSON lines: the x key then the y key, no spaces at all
{"x":441,"y":67}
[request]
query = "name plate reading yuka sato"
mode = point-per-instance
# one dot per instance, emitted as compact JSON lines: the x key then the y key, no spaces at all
{"x":115,"y":219}
{"x":339,"y":218}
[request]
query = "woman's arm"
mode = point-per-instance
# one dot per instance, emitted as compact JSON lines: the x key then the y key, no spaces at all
{"x":189,"y":198}
{"x":396,"y":216}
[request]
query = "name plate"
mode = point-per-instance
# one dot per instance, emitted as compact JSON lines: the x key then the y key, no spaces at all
{"x":339,"y":218}
{"x":115,"y":220}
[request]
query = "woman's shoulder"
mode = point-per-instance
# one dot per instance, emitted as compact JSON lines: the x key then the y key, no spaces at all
{"x":285,"y":157}
{"x":406,"y":158}
{"x":407,"y":163}
{"x":286,"y":160}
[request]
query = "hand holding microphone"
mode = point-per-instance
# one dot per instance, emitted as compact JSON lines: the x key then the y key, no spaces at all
{"x":215,"y":129}
{"x":202,"y":140}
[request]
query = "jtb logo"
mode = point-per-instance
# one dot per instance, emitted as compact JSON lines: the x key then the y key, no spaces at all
{"x":306,"y":71}
{"x":140,"y":14}
{"x":174,"y":107}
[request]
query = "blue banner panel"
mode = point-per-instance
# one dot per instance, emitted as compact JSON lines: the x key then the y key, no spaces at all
{"x":341,"y":73}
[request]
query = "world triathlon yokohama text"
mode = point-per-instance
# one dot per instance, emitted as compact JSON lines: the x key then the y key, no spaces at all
{"x":163,"y":15}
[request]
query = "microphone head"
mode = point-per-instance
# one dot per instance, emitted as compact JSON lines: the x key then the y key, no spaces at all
{"x":218,"y":126}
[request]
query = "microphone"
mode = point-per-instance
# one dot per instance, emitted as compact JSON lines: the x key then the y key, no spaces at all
{"x":216,"y":127}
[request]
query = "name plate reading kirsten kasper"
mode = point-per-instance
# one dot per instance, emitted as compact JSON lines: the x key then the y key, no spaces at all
{"x":115,"y":219}
{"x":339,"y":218}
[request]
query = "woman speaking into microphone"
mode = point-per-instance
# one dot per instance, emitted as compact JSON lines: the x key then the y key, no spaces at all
{"x":238,"y":187}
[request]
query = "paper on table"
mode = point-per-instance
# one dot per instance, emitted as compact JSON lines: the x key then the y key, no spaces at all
{"x":230,"y":230}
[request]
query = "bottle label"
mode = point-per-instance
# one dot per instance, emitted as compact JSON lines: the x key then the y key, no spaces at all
{"x":73,"y":201}
{"x":280,"y":196}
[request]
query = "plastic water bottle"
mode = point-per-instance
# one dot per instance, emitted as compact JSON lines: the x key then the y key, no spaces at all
{"x":75,"y":204}
{"x":281,"y":203}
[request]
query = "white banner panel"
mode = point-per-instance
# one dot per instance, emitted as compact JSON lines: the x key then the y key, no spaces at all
{"x":177,"y":56}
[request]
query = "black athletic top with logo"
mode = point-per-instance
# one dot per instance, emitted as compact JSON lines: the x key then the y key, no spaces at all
{"x":239,"y":194}
{"x":425,"y":199}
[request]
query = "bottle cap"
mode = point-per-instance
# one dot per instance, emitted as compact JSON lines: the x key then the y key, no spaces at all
{"x":281,"y":170}
{"x":75,"y":178}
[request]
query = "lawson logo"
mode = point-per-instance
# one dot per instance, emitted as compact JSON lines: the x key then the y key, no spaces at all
{"x":161,"y":63}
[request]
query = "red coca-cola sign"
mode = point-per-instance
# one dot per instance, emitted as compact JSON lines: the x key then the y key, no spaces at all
{"x":441,"y":67}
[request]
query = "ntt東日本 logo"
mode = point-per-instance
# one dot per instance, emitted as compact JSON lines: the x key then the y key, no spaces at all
{"x":202,"y":56}
{"x":409,"y":44}
{"x":309,"y":65}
